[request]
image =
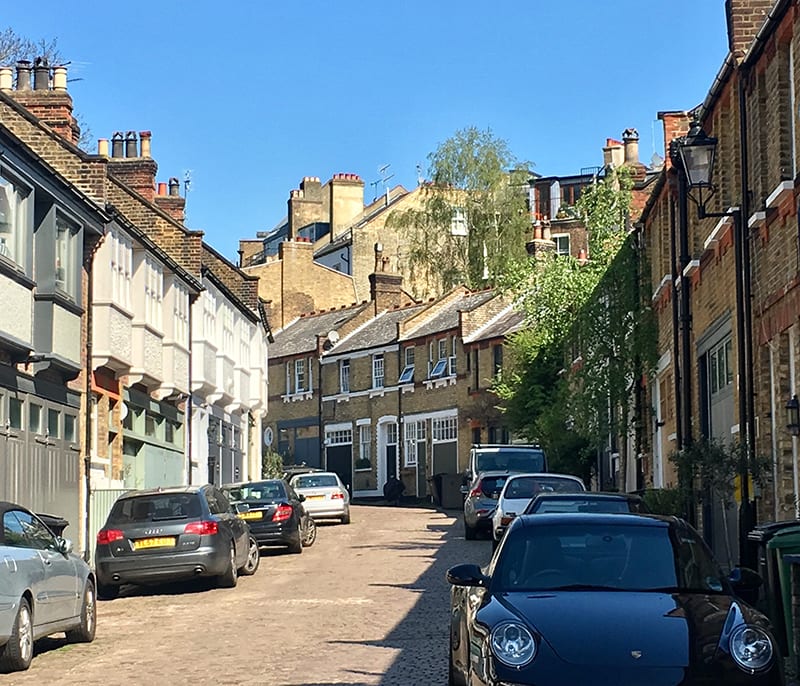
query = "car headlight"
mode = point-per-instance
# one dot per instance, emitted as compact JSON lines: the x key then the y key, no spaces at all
{"x":513,"y":644}
{"x":751,"y":648}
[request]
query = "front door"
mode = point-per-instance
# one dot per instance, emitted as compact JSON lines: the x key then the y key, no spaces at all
{"x":339,"y":459}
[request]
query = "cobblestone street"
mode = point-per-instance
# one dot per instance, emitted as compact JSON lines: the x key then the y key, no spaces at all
{"x":366,"y":604}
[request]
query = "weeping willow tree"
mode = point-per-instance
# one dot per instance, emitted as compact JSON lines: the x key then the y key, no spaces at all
{"x":472,"y":221}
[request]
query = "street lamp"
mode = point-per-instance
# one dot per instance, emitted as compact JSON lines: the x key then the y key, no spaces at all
{"x":696,"y":153}
{"x":793,"y":409}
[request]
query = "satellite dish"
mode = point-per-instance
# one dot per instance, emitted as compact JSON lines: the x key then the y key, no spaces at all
{"x":333,"y":336}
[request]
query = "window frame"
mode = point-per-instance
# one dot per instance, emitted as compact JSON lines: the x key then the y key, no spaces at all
{"x":378,"y":371}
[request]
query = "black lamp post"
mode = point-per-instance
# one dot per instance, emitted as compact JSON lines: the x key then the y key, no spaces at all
{"x":696,"y":152}
{"x":793,"y":410}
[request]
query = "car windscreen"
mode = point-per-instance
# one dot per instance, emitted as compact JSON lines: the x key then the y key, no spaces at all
{"x":606,"y":505}
{"x":510,"y":459}
{"x":529,"y":486}
{"x":604,"y":556}
{"x":316,"y":481}
{"x":257,"y":491}
{"x":155,"y":508}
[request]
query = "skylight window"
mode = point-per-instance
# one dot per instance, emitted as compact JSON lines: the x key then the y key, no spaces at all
{"x":407,"y":375}
{"x":439,"y":369}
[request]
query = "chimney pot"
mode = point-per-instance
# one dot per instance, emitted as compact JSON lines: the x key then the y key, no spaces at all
{"x":60,"y":78}
{"x":162,"y":188}
{"x":24,"y":75}
{"x":6,"y":78}
{"x":102,"y":147}
{"x":144,"y":137}
{"x":130,"y":144}
{"x":41,"y":74}
{"x":117,"y":143}
{"x":174,"y":186}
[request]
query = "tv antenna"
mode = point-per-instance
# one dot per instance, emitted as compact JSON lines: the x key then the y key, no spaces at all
{"x":384,"y":178}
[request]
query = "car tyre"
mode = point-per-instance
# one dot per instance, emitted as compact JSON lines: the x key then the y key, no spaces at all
{"x":470,"y":532}
{"x":346,"y":516}
{"x":253,"y":558}
{"x":296,"y":546}
{"x":16,"y":655}
{"x":230,"y":577}
{"x":84,"y":632}
{"x":107,"y":591}
{"x":310,"y":533}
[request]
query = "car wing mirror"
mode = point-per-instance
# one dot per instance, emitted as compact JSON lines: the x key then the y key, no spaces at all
{"x":467,"y":575}
{"x":63,"y":545}
{"x":745,"y":579}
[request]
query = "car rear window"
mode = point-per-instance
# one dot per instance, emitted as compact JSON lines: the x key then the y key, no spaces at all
{"x":316,"y":481}
{"x":510,"y":459}
{"x":154,"y":508}
{"x":492,"y":485}
{"x":608,"y":506}
{"x":262,"y":491}
{"x":529,"y":486}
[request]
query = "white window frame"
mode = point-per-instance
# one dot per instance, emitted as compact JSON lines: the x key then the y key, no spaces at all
{"x":339,"y":436}
{"x":365,"y":446}
{"x":14,"y":213}
{"x":458,"y":223}
{"x":65,"y":264}
{"x":153,"y":293}
{"x":378,"y":370}
{"x":558,"y":238}
{"x":299,"y":375}
{"x":121,"y":263}
{"x":344,"y":376}
{"x":411,"y":436}
{"x":180,"y":312}
{"x":445,"y":429}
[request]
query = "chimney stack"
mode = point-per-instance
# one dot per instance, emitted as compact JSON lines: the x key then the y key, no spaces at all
{"x":126,"y":165}
{"x":385,"y":289}
{"x":630,"y":138}
{"x":47,"y":101}
{"x":102,"y":147}
{"x":6,"y":79}
{"x":613,"y":153}
{"x":172,"y":203}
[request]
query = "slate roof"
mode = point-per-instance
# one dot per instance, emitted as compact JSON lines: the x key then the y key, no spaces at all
{"x":379,"y":331}
{"x":505,"y":323}
{"x":300,"y":336}
{"x":447,"y":317}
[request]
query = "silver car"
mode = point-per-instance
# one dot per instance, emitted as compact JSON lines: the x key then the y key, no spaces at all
{"x":325,"y":495}
{"x":518,"y":491}
{"x":44,"y":588}
{"x":480,"y":502}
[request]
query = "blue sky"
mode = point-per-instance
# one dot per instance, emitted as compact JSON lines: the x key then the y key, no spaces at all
{"x":251,"y":96}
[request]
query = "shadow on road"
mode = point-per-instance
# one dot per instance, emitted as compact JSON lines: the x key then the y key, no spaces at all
{"x":421,"y":637}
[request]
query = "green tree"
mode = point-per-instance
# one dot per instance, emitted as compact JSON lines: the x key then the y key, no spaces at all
{"x":587,"y":312}
{"x":472,"y":222}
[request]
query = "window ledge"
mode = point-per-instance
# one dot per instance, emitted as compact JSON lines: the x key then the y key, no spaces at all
{"x":783,"y":189}
{"x":363,"y":470}
{"x":343,"y":398}
{"x":691,"y":268}
{"x":756,"y":220}
{"x":407,"y":389}
{"x":440,"y":382}
{"x":377,"y":392}
{"x":294,"y":397}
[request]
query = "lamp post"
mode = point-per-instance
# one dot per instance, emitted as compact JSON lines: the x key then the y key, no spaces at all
{"x":696,"y":153}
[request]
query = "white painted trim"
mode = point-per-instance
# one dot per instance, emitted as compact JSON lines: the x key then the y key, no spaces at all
{"x":364,"y":422}
{"x":431,"y":415}
{"x":664,"y":361}
{"x":756,"y":219}
{"x":664,"y":281}
{"x":341,"y":426}
{"x":331,"y":358}
{"x":692,"y":267}
{"x":774,"y":198}
{"x":340,"y":397}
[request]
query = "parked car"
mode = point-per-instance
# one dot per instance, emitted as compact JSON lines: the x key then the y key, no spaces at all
{"x":326,"y":495}
{"x":606,"y":599}
{"x":481,"y":501}
{"x":168,"y":534}
{"x":275,"y":513}
{"x":294,"y":469}
{"x":44,"y":588}
{"x":502,"y":457}
{"x":594,"y":501}
{"x":519,"y":489}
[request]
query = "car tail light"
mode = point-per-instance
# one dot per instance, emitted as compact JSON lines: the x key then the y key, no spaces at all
{"x":475,"y":492}
{"x":505,"y":521}
{"x":283,"y":513}
{"x":204,"y":528}
{"x":106,"y":536}
{"x":337,"y":496}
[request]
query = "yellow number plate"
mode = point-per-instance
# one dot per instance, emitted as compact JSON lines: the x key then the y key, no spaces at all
{"x":251,"y":515}
{"x":315,"y":497}
{"x":165,"y":542}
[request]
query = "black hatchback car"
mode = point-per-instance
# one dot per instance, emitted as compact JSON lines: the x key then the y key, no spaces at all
{"x":604,"y":600}
{"x":274,"y":512}
{"x":168,"y":534}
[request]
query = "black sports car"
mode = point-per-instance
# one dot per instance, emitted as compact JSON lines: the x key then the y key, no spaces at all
{"x":275,"y":513}
{"x":606,"y":599}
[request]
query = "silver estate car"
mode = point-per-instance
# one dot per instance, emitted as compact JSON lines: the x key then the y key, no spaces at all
{"x":44,"y":588}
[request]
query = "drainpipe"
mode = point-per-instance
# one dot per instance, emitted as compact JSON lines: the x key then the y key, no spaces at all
{"x":685,"y":314}
{"x":676,"y":358}
{"x":87,"y":438}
